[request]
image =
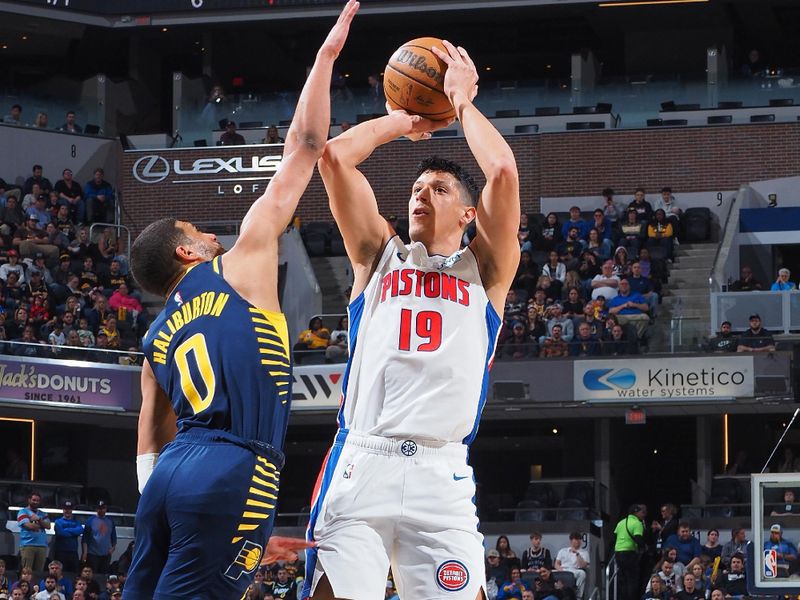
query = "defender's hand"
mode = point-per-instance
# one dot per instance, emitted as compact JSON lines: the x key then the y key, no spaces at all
{"x":461,"y":75}
{"x":283,"y":548}
{"x":337,"y":36}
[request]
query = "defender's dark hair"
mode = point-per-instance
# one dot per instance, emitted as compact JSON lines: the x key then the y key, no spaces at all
{"x":436,"y":163}
{"x":153,"y":261}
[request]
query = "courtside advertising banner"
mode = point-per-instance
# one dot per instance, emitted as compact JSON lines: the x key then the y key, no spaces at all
{"x":317,"y":387}
{"x":67,"y":383}
{"x":664,"y":379}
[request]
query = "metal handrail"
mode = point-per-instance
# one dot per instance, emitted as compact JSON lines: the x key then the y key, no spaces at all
{"x":115,"y":226}
{"x":721,"y":239}
{"x":611,"y":577}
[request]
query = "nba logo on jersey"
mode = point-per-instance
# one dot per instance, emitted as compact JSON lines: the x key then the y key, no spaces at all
{"x":452,"y":576}
{"x":246,"y":561}
{"x":770,"y":564}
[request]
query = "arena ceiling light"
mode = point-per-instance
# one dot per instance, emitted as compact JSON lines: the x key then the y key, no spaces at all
{"x":647,"y":3}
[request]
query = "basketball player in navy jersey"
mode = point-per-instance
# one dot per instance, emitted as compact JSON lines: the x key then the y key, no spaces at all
{"x":396,"y":488}
{"x":217,"y":378}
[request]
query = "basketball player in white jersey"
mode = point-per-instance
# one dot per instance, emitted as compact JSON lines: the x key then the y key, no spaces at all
{"x":396,"y":488}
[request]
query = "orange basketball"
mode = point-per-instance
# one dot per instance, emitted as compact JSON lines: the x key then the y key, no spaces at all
{"x":414,"y":80}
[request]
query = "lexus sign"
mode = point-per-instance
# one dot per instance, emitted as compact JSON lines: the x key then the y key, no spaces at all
{"x":155,"y":169}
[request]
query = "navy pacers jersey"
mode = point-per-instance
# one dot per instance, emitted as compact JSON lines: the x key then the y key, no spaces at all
{"x":224,"y":364}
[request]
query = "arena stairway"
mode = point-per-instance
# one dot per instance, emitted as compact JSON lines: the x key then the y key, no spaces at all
{"x":685,"y":311}
{"x":334,"y":276}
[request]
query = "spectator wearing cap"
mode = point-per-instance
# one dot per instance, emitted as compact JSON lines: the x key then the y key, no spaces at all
{"x":99,"y":539}
{"x":68,"y":532}
{"x":724,"y":341}
{"x":39,"y":210}
{"x":99,"y":197}
{"x":782,"y":283}
{"x":785,"y":550}
{"x":494,"y":568}
{"x":112,"y":587}
{"x":12,"y":266}
{"x":229,"y":137}
{"x":29,"y":239}
{"x":516,"y":346}
{"x":756,"y":339}
{"x":71,"y":194}
{"x":64,"y":222}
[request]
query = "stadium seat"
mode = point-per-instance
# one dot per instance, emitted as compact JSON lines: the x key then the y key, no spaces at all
{"x":534,"y":514}
{"x":657,"y":253}
{"x":697,"y":224}
{"x":581,"y":490}
{"x":508,"y":112}
{"x":781,"y":102}
{"x":532,"y":128}
{"x":762,"y":118}
{"x":530,"y":577}
{"x":543,"y":493}
{"x":200,"y":143}
{"x":337,"y":244}
{"x":604,"y":108}
{"x":655,"y":122}
{"x":585,"y":125}
{"x":668,"y":106}
{"x":675,"y":122}
{"x":315,"y":243}
{"x":322,"y":227}
{"x":285,"y":122}
{"x":687,"y":107}
{"x":729,"y":104}
{"x":546,"y":111}
{"x":91,"y":129}
{"x":720,"y":119}
{"x":251,"y":124}
{"x":578,"y":509}
{"x":584,"y":110}
{"x":445,"y":133}
{"x":565,"y":577}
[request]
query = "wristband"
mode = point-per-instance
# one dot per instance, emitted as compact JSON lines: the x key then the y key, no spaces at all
{"x":145,"y":463}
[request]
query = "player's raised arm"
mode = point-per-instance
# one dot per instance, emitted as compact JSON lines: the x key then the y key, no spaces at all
{"x":352,"y":200}
{"x":305,"y":141}
{"x":496,"y":243}
{"x":156,"y":425}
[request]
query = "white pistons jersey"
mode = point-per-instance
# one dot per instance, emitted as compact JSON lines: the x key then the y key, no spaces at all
{"x":422,"y":338}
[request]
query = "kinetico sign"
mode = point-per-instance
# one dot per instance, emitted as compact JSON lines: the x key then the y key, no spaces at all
{"x":663,"y":379}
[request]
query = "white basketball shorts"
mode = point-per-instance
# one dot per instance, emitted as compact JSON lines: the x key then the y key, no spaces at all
{"x":405,"y":503}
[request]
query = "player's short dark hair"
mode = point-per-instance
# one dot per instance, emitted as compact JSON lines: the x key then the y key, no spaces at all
{"x":153,"y":261}
{"x":436,"y":163}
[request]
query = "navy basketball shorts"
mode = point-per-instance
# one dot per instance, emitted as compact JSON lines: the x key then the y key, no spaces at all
{"x":204,"y":519}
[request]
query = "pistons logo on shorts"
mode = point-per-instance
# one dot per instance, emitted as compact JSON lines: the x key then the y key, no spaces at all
{"x":452,"y":576}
